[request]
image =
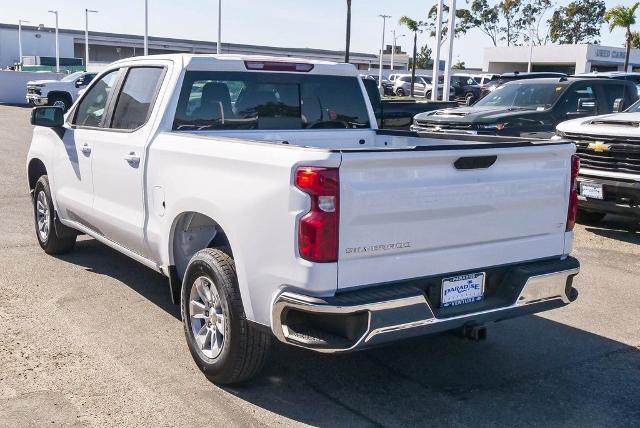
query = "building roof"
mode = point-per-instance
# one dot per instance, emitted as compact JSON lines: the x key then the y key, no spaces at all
{"x":210,"y":44}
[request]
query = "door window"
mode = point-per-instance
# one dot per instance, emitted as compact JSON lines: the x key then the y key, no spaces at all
{"x":611,"y":93}
{"x":135,"y":100}
{"x":92,"y":107}
{"x":569,"y":103}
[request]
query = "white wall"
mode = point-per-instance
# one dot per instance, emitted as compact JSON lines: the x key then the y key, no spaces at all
{"x":44,"y":45}
{"x":13,"y":84}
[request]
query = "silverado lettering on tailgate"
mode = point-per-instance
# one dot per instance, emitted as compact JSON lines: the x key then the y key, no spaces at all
{"x":380,"y":247}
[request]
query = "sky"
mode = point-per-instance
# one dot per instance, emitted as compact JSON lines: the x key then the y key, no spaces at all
{"x":290,"y":23}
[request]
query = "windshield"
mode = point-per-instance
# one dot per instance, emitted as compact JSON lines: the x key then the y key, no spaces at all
{"x":72,"y":77}
{"x":635,"y":107}
{"x":524,"y":95}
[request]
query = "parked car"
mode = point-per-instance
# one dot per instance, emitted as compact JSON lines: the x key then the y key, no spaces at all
{"x":60,"y":93}
{"x":609,"y":150}
{"x":485,"y":78}
{"x":387,"y":85}
{"x":465,"y":88}
{"x":263,"y":190}
{"x":510,"y":77}
{"x":531,"y":108}
{"x":422,"y":87}
{"x":620,"y":75}
{"x":398,"y":114}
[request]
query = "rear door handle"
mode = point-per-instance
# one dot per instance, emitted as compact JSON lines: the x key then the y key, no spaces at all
{"x":132,"y":159}
{"x":86,"y":149}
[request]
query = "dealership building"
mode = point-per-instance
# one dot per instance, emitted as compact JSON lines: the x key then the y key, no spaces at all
{"x":104,"y":48}
{"x":581,"y":58}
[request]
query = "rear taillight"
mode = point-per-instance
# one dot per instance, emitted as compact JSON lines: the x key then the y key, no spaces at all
{"x":300,"y":67}
{"x":318,"y":229}
{"x":573,"y":193}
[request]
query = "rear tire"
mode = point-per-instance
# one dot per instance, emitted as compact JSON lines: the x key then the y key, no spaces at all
{"x":589,"y":217}
{"x":53,"y":236}
{"x":222,"y":342}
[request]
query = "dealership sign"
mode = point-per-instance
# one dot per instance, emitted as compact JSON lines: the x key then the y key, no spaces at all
{"x":609,"y":53}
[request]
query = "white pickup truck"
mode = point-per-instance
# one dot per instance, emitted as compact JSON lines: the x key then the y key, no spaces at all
{"x":261,"y":188}
{"x":60,"y":93}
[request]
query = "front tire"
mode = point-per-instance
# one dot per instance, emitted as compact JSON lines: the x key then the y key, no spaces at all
{"x":53,"y":236}
{"x":400,"y":92}
{"x":59,"y":101}
{"x":222,"y":342}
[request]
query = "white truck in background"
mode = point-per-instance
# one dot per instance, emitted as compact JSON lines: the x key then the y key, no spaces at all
{"x":60,"y":93}
{"x":261,"y":188}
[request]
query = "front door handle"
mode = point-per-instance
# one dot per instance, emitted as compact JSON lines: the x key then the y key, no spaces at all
{"x":86,"y":150}
{"x":132,"y":159}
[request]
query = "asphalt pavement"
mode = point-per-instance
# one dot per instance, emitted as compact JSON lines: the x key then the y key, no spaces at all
{"x":91,"y":339}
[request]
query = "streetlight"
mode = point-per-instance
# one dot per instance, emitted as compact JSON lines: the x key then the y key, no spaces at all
{"x":436,"y":57}
{"x":55,"y":12}
{"x":447,"y":70}
{"x":86,"y":37}
{"x":146,"y":27}
{"x":219,"y":26}
{"x":20,"y":22}
{"x":395,"y":42}
{"x":384,"y":28}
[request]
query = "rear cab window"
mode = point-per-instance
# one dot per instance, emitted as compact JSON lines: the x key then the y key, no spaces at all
{"x":213,"y":100}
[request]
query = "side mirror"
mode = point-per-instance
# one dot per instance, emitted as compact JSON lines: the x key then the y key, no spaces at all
{"x":79,"y":82}
{"x":50,"y":117}
{"x":618,"y":105}
{"x":586,"y":105}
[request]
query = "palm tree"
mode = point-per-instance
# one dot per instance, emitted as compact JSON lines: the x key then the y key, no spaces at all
{"x":623,"y":17}
{"x":346,"y":51}
{"x":415,"y":27}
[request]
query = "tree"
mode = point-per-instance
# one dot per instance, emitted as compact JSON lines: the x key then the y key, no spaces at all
{"x":415,"y":27}
{"x":635,"y":40}
{"x":423,"y":59}
{"x":463,"y":23}
{"x":623,"y":17}
{"x":512,"y":21}
{"x":533,"y":13}
{"x":460,"y":65}
{"x":348,"y":43}
{"x":485,"y":18}
{"x":577,"y":22}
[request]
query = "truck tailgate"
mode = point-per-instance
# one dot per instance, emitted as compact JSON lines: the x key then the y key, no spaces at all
{"x":408,"y":214}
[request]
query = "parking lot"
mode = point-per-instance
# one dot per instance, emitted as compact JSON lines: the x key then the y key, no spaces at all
{"x":91,"y":338}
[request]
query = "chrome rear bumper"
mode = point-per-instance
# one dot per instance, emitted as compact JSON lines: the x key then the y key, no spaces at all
{"x":374,"y":316}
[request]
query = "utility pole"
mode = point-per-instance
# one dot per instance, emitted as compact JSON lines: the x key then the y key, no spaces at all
{"x":218,"y":48}
{"x":20,"y":22}
{"x":384,"y":29}
{"x":393,"y":52}
{"x":436,"y":58}
{"x":86,"y":37}
{"x":530,"y":66}
{"x":55,"y":12}
{"x":447,"y":70}
{"x":146,"y":27}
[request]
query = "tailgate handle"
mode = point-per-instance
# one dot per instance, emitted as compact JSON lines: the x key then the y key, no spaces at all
{"x":475,"y":162}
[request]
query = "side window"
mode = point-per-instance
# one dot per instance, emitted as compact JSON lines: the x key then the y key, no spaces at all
{"x":569,"y":103}
{"x":135,"y":100}
{"x":92,"y":107}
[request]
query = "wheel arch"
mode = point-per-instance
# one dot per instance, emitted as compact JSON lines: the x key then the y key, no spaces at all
{"x":35,"y":170}
{"x":63,"y":94}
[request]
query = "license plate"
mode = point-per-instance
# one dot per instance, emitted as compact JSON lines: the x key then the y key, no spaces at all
{"x":461,"y":289}
{"x":591,"y":190}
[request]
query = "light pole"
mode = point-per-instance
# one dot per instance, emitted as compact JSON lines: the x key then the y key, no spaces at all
{"x":20,"y":22}
{"x":55,"y":12}
{"x":218,"y":48}
{"x":436,"y":58}
{"x":530,"y":65}
{"x":395,"y":42}
{"x":86,"y":37}
{"x":384,"y":29}
{"x":447,"y":69}
{"x":146,"y":27}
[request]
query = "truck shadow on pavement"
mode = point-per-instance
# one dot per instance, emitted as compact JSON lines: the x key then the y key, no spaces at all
{"x":618,"y":228}
{"x":530,"y":370}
